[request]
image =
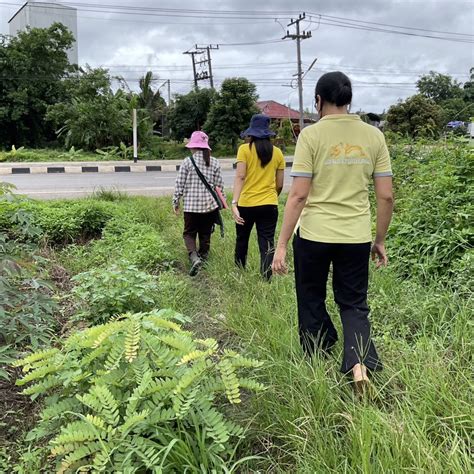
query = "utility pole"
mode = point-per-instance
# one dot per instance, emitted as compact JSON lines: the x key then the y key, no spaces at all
{"x":204,"y":54}
{"x":298,"y":37}
{"x":193,"y":57}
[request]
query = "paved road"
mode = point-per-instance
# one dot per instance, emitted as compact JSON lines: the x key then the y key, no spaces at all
{"x":54,"y":186}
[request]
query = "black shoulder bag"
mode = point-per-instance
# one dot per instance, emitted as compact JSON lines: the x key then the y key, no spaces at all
{"x":213,"y":193}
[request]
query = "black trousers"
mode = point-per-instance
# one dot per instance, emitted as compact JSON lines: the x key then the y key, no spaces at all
{"x":350,"y":264}
{"x":199,"y":225}
{"x":265,"y":218}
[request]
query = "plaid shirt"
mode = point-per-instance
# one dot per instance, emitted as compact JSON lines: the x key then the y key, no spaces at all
{"x":189,"y":186}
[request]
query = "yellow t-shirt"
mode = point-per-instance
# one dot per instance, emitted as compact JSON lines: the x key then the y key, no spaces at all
{"x":260,"y":183}
{"x":341,"y":154}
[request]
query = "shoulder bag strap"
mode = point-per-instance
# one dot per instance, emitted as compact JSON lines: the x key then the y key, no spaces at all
{"x":204,"y":181}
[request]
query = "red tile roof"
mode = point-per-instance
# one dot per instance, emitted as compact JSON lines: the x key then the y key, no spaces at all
{"x":276,"y":110}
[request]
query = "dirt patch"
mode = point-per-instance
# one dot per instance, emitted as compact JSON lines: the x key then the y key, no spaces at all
{"x":61,"y":278}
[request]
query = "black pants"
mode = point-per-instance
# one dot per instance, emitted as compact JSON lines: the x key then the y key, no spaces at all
{"x":202,"y":225}
{"x":350,"y":264}
{"x":265,"y":218}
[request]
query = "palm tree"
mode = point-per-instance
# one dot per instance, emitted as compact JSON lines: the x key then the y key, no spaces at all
{"x":151,"y":100}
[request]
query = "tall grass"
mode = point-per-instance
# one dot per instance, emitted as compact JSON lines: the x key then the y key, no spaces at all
{"x":309,"y":420}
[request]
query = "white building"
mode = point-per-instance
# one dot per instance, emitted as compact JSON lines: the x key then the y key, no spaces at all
{"x":42,"y":15}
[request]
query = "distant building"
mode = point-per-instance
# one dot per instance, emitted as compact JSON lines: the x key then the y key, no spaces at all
{"x":43,"y":15}
{"x":279,"y":112}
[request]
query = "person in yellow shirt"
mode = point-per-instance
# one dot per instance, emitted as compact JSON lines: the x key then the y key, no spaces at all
{"x":328,"y":205}
{"x":257,"y":185}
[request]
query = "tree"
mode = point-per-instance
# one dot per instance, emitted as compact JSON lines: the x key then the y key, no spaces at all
{"x":456,"y":109}
{"x":231,"y":111}
{"x":32,"y":66}
{"x":93,"y":116}
{"x":189,"y":112}
{"x":469,"y":87}
{"x":439,"y":87}
{"x":417,"y":116}
{"x":150,"y":100}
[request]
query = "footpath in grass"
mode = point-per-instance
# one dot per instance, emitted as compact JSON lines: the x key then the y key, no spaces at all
{"x":71,"y":265}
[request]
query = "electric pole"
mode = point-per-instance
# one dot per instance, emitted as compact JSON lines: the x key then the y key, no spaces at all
{"x":204,"y":58}
{"x":298,"y":37}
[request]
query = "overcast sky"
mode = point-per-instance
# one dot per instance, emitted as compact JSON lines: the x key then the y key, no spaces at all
{"x":383,"y":66}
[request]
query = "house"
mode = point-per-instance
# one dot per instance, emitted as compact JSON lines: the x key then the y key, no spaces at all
{"x":36,"y":14}
{"x":279,"y":113}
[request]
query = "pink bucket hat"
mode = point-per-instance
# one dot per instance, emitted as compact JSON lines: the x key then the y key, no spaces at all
{"x":198,"y":140}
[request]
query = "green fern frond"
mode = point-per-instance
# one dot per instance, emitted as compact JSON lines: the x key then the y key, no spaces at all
{"x":37,"y":374}
{"x":239,"y":361}
{"x":215,"y":423}
{"x":193,"y":355}
{"x":140,"y":367}
{"x":59,"y":408}
{"x":190,"y":376}
{"x":40,"y":356}
{"x":95,"y":421}
{"x":251,"y":385}
{"x":230,"y":380}
{"x":77,"y":432}
{"x":115,"y":356}
{"x":137,"y":394}
{"x":161,"y":387}
{"x":100,"y":461}
{"x":64,"y":449}
{"x":148,"y":451}
{"x":182,"y":402}
{"x":132,"y":421}
{"x":101,"y":400}
{"x":43,"y":387}
{"x":93,"y":355}
{"x":182,"y":342}
{"x":209,"y":343}
{"x":82,"y":452}
{"x":155,"y":322}
{"x":105,"y":331}
{"x":132,"y":339}
{"x":159,"y":416}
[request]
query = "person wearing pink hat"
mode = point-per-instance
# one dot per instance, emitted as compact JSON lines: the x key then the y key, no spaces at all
{"x":200,"y":209}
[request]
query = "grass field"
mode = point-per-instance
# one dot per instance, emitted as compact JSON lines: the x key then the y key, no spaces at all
{"x":420,"y":418}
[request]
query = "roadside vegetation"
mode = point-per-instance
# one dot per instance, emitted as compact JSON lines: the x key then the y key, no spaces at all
{"x":84,"y":114}
{"x":112,"y":359}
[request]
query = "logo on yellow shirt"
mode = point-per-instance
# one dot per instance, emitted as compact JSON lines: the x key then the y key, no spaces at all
{"x":347,"y":154}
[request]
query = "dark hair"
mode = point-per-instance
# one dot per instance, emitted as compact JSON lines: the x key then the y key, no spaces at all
{"x":264,"y":149}
{"x":206,"y":154}
{"x":334,"y":88}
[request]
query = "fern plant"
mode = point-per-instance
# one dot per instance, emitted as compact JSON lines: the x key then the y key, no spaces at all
{"x":138,"y":394}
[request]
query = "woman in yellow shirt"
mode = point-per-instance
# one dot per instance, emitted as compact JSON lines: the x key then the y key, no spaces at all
{"x":328,"y":205}
{"x":257,"y":185}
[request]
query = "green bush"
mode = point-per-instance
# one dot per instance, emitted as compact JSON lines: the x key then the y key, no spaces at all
{"x":116,"y":290}
{"x":138,"y":394}
{"x":434,"y":207}
{"x":65,"y":222}
{"x":138,"y":244}
{"x":34,"y":155}
{"x":27,"y":306}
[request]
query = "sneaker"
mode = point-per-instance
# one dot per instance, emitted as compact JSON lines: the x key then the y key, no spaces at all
{"x":196,"y":263}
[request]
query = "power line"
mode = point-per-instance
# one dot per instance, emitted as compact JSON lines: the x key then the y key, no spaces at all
{"x":261,"y":15}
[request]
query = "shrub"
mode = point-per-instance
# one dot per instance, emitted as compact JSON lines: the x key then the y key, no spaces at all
{"x":434,"y":205}
{"x":138,"y":244}
{"x":26,"y":304}
{"x":114,"y":291}
{"x":138,"y":394}
{"x":65,"y":222}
